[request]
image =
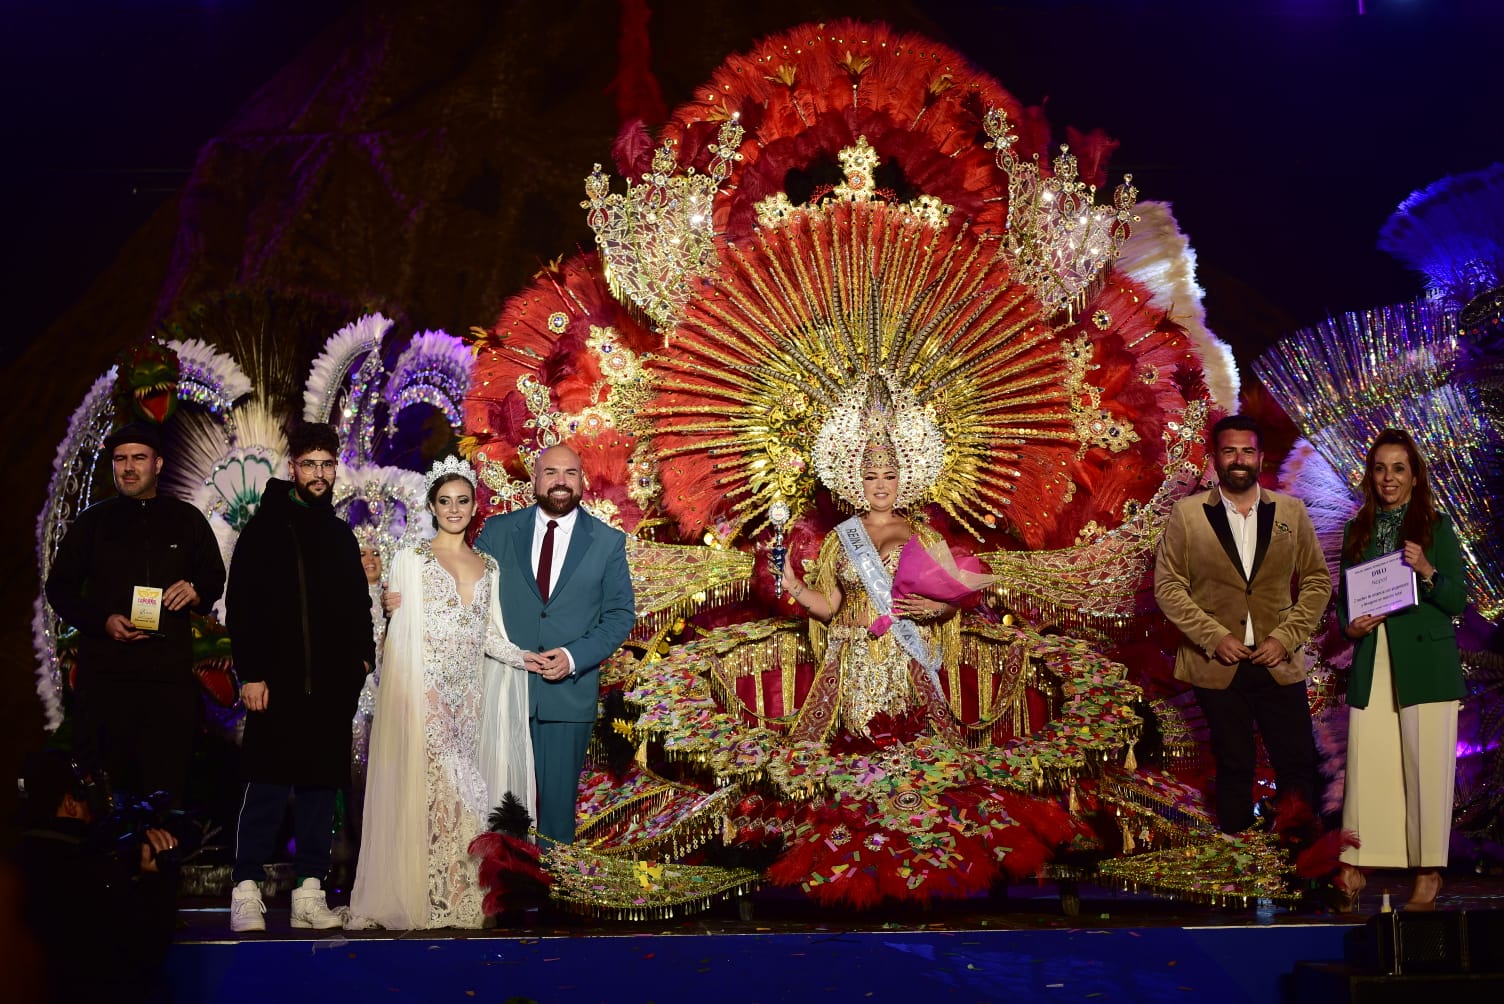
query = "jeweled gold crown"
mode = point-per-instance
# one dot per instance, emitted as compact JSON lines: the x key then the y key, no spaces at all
{"x":859,"y":166}
{"x":876,"y":410}
{"x":1059,"y":241}
{"x":655,"y":238}
{"x":878,"y":454}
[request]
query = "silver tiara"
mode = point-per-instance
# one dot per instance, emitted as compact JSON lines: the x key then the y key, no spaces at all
{"x":442,"y":469}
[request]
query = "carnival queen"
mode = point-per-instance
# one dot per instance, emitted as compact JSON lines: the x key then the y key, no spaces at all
{"x":883,"y":647}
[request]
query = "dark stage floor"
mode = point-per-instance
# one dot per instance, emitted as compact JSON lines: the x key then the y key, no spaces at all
{"x":778,"y":946}
{"x":1024,"y":908}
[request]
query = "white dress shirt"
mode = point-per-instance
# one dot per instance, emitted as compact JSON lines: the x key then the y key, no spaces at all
{"x":1245,"y":532}
{"x":561,"y":542}
{"x":562,"y":532}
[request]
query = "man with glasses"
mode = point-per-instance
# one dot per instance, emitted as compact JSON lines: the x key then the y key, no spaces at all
{"x":300,"y":631}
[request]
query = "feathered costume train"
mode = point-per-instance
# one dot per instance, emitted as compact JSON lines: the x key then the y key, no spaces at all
{"x":842,"y":205}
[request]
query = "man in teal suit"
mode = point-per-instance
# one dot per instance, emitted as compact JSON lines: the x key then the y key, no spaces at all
{"x":566,"y":598}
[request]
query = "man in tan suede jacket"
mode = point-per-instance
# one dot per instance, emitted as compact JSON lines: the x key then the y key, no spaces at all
{"x":1241,"y":574}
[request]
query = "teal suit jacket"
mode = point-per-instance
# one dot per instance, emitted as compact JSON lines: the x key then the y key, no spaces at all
{"x":1422,"y":642}
{"x":590,"y":610}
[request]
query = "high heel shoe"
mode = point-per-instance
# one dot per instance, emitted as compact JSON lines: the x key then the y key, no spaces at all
{"x":1349,"y":884}
{"x":1414,"y":905}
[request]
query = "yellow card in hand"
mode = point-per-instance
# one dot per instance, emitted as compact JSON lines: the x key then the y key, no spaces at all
{"x":146,"y":608}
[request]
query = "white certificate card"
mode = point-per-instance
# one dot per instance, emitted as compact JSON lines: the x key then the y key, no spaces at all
{"x":1381,"y":586}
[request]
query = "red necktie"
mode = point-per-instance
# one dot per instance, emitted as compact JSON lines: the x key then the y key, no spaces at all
{"x":546,"y":559}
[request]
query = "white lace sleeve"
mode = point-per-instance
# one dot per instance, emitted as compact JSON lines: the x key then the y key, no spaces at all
{"x":500,"y":647}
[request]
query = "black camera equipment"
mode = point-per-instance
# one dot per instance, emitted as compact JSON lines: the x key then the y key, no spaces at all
{"x":121,"y":831}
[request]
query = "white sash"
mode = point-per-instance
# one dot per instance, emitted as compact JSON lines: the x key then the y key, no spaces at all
{"x":863,"y":555}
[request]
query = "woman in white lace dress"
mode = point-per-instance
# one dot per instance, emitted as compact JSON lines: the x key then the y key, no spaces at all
{"x":449,"y":737}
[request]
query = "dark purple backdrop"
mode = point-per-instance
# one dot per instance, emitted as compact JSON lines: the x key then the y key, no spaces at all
{"x":1283,"y":132}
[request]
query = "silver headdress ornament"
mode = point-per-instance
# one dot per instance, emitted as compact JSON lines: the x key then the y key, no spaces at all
{"x":442,"y":469}
{"x":875,"y":421}
{"x":370,"y":538}
{"x":367,"y":536}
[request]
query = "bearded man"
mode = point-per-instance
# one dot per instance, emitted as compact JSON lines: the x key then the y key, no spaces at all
{"x":1241,"y":574}
{"x":299,"y":617}
{"x":567,"y":601}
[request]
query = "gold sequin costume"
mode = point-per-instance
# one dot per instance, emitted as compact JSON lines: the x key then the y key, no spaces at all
{"x":863,"y":676}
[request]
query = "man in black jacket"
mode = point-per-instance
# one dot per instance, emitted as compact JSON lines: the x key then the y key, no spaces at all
{"x":136,"y":705}
{"x":300,"y":632}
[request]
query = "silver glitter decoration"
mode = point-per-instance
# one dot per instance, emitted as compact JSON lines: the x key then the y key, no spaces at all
{"x":1402,"y":366}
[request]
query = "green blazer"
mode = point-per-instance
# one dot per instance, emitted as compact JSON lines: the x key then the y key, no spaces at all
{"x":1422,"y":642}
{"x":590,"y":609}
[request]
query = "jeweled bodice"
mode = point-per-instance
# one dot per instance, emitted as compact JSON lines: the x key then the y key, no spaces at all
{"x":874,"y":671}
{"x":454,"y":636}
{"x":856,"y":607}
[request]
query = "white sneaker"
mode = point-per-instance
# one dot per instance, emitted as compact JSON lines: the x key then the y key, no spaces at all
{"x":309,"y":908}
{"x":246,"y":908}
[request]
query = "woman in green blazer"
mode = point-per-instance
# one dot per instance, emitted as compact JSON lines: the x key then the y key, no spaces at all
{"x":1406,"y":680}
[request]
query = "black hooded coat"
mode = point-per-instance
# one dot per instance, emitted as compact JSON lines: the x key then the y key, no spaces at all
{"x":299,"y":616}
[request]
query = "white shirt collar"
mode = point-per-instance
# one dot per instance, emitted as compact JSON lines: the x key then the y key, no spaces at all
{"x":566,"y":521}
{"x":1232,"y":506}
